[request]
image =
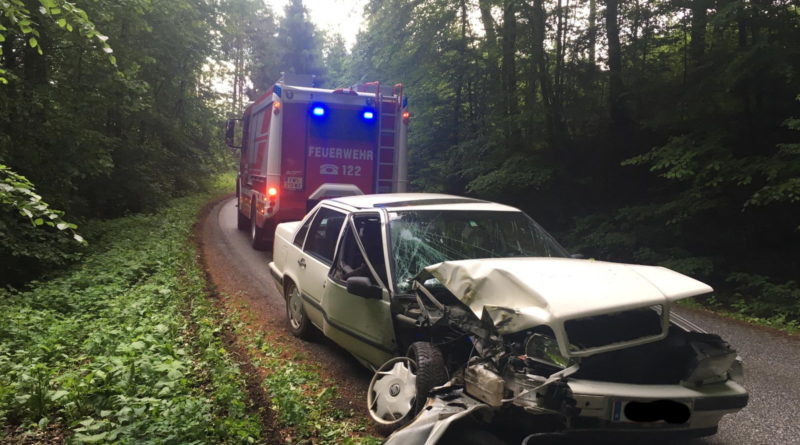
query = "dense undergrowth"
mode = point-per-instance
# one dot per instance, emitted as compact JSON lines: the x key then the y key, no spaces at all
{"x":300,"y":397}
{"x":124,"y":346}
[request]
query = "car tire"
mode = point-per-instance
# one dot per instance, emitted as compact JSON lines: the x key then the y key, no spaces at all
{"x":431,"y":370}
{"x":394,"y":407}
{"x":257,"y":233}
{"x":298,"y":322}
{"x":242,"y":222}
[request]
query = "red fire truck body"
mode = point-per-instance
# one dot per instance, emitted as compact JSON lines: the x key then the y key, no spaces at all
{"x":301,"y":144}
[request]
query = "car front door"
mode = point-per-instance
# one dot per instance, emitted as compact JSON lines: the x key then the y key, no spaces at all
{"x":315,"y":260}
{"x":361,"y":325}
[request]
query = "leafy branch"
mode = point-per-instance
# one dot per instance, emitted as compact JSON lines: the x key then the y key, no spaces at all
{"x":62,"y":12}
{"x":18,"y":192}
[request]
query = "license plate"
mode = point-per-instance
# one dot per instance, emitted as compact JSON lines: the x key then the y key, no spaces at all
{"x":671,"y":412}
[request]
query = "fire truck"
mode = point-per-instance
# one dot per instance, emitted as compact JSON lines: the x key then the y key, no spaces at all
{"x":301,"y":144}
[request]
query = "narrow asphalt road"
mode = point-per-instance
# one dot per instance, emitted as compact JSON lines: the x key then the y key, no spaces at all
{"x":771,"y":359}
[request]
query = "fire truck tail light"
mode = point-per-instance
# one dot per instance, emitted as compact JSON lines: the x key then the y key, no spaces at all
{"x":276,"y":107}
{"x":406,"y":116}
{"x":272,"y":191}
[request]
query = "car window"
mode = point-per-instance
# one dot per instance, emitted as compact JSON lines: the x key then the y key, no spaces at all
{"x":323,"y":233}
{"x":350,"y":262}
{"x":301,"y":234}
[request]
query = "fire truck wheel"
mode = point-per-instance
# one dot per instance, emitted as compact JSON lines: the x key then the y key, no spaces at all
{"x":242,"y":222}
{"x":257,"y":238}
{"x":299,"y":325}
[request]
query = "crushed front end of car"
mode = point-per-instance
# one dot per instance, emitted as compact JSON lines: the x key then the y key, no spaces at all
{"x":540,"y":346}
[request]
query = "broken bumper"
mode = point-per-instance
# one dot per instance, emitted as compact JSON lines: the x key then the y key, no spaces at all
{"x":602,"y":408}
{"x":621,"y":406}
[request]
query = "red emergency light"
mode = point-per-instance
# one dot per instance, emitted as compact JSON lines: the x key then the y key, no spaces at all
{"x":272,"y":192}
{"x":276,"y":107}
{"x":406,"y":116}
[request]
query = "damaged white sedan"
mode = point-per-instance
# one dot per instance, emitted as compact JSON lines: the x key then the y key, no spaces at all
{"x":482,"y":328}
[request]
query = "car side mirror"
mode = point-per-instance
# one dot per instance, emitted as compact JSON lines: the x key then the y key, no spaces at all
{"x":363,"y":287}
{"x":230,"y":130}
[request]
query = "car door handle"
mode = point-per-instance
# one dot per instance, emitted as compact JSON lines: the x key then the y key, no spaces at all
{"x":302,"y":263}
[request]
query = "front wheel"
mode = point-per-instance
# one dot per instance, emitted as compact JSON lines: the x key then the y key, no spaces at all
{"x":299,"y":325}
{"x":431,"y":371}
{"x":400,"y":387}
{"x":392,"y":394}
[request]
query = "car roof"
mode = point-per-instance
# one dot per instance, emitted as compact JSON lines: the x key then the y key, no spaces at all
{"x":419,"y":201}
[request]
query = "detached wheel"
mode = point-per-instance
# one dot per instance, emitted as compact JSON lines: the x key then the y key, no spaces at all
{"x":400,"y":387}
{"x":299,"y":325}
{"x":257,"y":233}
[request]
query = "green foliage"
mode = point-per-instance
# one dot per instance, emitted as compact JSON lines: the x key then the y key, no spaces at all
{"x":248,"y":43}
{"x":692,"y":165}
{"x":31,"y":233}
{"x":299,"y":41}
{"x":123,"y":346}
{"x":301,"y":400}
{"x":760,"y":297}
{"x":18,"y":193}
{"x":782,"y":173}
{"x":62,"y":13}
{"x":336,"y":58}
{"x":100,"y":140}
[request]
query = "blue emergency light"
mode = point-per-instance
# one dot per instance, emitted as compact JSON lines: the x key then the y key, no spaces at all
{"x":368,"y":115}
{"x":318,"y":111}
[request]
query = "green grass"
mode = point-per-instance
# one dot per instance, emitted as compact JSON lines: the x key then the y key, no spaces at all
{"x":124,"y":346}
{"x":741,"y":310}
{"x":300,"y":398}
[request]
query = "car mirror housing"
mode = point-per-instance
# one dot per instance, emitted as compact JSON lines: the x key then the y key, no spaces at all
{"x":363,"y":287}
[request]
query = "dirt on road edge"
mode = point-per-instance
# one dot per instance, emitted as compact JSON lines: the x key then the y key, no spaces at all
{"x":240,"y":299}
{"x":259,"y":399}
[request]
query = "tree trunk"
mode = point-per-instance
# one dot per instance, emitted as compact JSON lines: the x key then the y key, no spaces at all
{"x":236,"y":53}
{"x":459,"y":86}
{"x":509,"y":67}
{"x":559,"y":51}
{"x":540,"y":71}
{"x":509,"y":74}
{"x":492,"y":50}
{"x":697,"y":46}
{"x":591,"y":34}
{"x":616,"y":87}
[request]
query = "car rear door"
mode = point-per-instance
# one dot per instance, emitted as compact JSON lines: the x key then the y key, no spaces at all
{"x":316,"y":258}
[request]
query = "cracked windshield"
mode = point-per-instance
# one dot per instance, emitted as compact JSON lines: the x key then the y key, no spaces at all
{"x":423,"y":238}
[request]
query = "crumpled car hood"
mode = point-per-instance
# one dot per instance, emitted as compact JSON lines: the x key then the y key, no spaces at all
{"x":523,"y":292}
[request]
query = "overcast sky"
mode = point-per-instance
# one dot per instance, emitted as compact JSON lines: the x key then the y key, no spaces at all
{"x":334,"y":16}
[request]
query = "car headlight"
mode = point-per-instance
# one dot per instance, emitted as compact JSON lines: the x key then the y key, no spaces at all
{"x":545,"y":349}
{"x":736,"y":373}
{"x":712,"y":363}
